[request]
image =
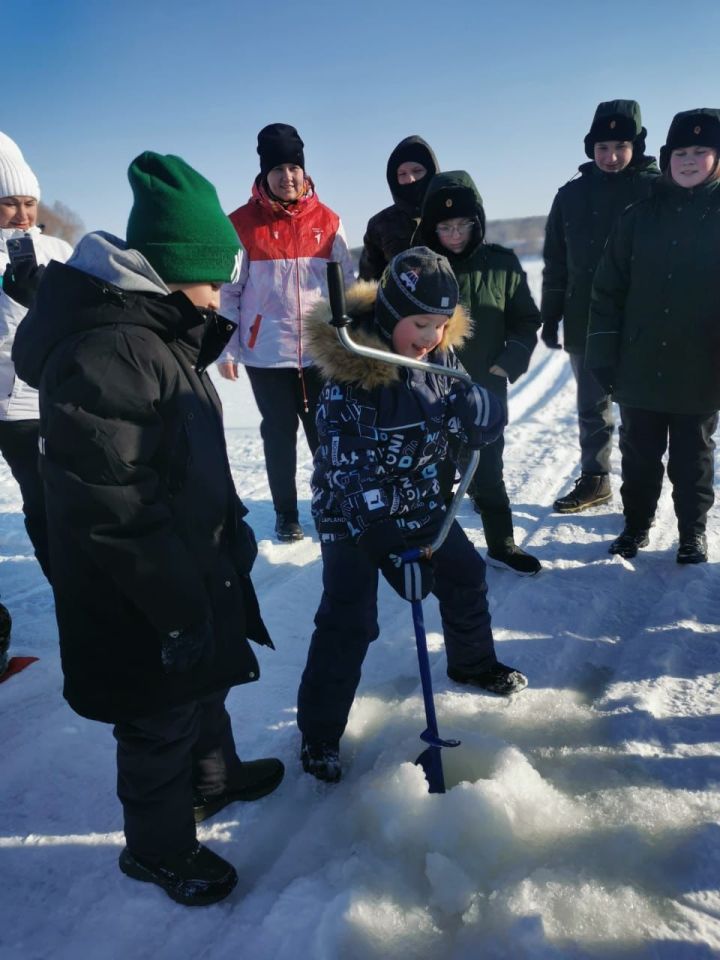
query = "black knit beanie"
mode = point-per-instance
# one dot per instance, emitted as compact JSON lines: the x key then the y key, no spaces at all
{"x":692,"y":128}
{"x":415,"y":281}
{"x":615,"y":120}
{"x":279,"y":143}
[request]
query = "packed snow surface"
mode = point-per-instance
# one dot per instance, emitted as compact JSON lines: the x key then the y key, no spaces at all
{"x":582,"y":816}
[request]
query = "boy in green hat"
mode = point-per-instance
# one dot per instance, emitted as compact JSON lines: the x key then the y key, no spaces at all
{"x":581,"y":217}
{"x":151,"y":556}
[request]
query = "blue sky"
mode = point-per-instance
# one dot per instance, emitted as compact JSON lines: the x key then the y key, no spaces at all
{"x":505,"y":90}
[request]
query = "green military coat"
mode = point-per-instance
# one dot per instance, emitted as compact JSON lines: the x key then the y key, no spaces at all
{"x":581,"y":217}
{"x":493,"y":287}
{"x":655,"y":310}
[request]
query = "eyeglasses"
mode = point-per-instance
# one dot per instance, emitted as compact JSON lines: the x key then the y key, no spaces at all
{"x":446,"y":230}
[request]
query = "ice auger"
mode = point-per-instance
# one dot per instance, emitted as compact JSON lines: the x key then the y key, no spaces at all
{"x":430,"y":759}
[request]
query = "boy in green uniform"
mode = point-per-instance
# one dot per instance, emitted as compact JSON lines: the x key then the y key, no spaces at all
{"x":494,"y":291}
{"x":582,"y":215}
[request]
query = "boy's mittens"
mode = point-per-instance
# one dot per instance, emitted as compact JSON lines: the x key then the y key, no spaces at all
{"x":380,"y":539}
{"x":181,"y":650}
{"x":549,"y":334}
{"x":478,"y":413}
{"x":21,"y":282}
{"x":412,"y":581}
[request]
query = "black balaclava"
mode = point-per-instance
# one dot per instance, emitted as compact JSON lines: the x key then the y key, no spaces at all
{"x":409,"y":196}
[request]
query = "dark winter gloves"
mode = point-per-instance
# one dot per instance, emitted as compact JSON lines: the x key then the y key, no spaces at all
{"x":477,"y":412}
{"x":384,"y":544}
{"x":181,"y":650}
{"x":549,"y":334}
{"x":605,"y":376}
{"x":412,"y":581}
{"x":21,"y":282}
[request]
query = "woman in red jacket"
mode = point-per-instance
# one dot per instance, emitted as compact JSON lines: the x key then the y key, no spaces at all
{"x":287,"y":236}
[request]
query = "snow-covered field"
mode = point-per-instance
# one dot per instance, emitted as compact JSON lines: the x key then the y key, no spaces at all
{"x":582,"y":817}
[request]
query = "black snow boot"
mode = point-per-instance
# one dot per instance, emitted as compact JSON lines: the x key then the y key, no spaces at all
{"x":321,"y":758}
{"x":509,"y":556}
{"x":497,"y":679}
{"x":629,"y":542}
{"x":255,"y":779}
{"x":693,"y":549}
{"x":287,"y":528}
{"x":196,"y":879}
{"x":590,"y":489}
{"x":5,"y":628}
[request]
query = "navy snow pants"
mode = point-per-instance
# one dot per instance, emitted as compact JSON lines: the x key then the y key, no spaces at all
{"x":346,"y":623}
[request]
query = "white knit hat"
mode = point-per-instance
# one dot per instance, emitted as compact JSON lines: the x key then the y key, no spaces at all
{"x":9,"y":148}
{"x":16,"y":177}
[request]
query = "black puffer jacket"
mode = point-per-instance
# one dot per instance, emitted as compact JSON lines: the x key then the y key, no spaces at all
{"x":145,"y":527}
{"x":390,"y":231}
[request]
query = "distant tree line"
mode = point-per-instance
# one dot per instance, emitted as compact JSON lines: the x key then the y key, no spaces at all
{"x":60,"y":221}
{"x":524,"y":234}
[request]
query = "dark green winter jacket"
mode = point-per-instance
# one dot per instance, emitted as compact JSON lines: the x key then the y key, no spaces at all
{"x":655,"y":311}
{"x":493,"y":286}
{"x":580,"y":220}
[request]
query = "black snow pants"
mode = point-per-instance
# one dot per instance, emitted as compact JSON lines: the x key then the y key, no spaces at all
{"x":346,"y":623}
{"x":19,"y":447}
{"x":280,"y":394}
{"x":645,"y":435}
{"x":162,"y":760}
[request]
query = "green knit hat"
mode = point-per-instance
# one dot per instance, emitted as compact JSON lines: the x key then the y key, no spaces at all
{"x":177,"y":223}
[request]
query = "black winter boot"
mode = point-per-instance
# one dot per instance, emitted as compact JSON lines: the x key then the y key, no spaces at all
{"x":321,"y":758}
{"x":196,"y":879}
{"x":511,"y":557}
{"x":498,"y":679}
{"x":287,"y":528}
{"x":590,"y":489}
{"x":693,"y":549}
{"x":629,"y":542}
{"x":255,"y":779}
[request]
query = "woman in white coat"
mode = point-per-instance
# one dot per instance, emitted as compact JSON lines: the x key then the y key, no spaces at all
{"x":19,"y":413}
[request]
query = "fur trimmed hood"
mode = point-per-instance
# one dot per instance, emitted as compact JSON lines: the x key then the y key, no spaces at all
{"x":337,"y":363}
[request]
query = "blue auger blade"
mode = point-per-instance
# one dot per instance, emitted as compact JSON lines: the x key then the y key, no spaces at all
{"x":431,"y":763}
{"x":436,"y":741}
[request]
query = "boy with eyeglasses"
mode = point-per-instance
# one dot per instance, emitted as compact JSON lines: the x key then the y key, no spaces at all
{"x":494,"y":291}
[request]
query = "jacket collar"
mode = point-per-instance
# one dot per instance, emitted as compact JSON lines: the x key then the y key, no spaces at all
{"x":337,"y":363}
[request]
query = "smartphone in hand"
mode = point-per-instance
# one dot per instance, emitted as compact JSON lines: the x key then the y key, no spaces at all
{"x":21,"y":250}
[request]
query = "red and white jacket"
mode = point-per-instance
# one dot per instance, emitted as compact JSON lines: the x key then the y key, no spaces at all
{"x":282,"y":274}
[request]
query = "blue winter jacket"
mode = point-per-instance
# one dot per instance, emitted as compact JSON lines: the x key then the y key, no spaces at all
{"x":383,"y":429}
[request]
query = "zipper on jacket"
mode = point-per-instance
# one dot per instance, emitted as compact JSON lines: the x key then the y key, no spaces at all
{"x":306,"y":405}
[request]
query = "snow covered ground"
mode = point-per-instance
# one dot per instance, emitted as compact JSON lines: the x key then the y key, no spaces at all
{"x":582,"y":818}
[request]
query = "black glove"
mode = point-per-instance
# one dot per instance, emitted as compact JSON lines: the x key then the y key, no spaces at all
{"x":479,"y":413}
{"x":605,"y":376}
{"x":181,"y":650}
{"x":21,"y":282}
{"x":549,"y":334}
{"x":412,"y":581}
{"x":383,"y":542}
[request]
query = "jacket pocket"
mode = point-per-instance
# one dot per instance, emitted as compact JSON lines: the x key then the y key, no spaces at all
{"x":254,"y":331}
